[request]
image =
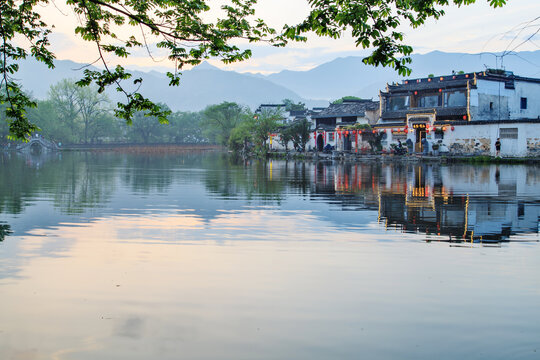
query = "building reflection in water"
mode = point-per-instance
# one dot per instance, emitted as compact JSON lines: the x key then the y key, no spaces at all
{"x":458,"y":203}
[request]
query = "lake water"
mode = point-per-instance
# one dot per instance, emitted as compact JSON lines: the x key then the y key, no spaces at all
{"x":198,"y":256}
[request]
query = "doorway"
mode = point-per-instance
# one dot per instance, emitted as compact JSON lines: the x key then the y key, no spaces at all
{"x":420,"y":135}
{"x":347,"y":144}
{"x":320,"y":142}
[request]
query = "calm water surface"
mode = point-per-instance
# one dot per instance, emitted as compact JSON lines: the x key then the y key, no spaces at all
{"x":112,"y":256}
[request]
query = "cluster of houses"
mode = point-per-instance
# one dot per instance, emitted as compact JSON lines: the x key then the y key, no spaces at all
{"x":459,"y":114}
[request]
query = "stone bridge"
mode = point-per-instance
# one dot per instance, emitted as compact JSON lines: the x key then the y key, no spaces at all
{"x":37,"y":145}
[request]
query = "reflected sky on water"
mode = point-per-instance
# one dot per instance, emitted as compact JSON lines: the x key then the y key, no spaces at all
{"x":200,"y":256}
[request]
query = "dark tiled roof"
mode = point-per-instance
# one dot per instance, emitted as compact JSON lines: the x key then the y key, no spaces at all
{"x":348,"y":108}
{"x":402,"y":114}
{"x":456,"y":81}
{"x":298,"y":112}
{"x":326,"y":127}
{"x":435,"y":84}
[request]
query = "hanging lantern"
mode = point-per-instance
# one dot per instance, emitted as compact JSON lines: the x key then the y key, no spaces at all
{"x":441,"y":78}
{"x":406,"y":130}
{"x":452,"y":128}
{"x":360,"y":131}
{"x":444,"y":128}
{"x":374,"y":131}
{"x":416,"y":93}
{"x":440,"y":90}
{"x":464,"y":117}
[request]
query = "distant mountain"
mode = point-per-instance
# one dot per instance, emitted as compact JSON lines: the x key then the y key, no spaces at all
{"x":202,"y":86}
{"x":349,"y":76}
{"x":207,"y":84}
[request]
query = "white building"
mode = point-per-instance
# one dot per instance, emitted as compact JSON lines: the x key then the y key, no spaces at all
{"x":465,"y":112}
{"x":337,"y":125}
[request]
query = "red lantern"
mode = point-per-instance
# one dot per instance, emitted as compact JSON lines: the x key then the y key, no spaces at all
{"x":440,"y":90}
{"x":444,"y":128}
{"x":360,"y":131}
{"x":464,"y":117}
{"x":406,"y":131}
{"x":441,"y":78}
{"x":416,"y":93}
{"x":374,"y":131}
{"x":452,"y":128}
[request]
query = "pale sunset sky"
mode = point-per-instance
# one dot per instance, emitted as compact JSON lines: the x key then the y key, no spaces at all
{"x":471,"y":29}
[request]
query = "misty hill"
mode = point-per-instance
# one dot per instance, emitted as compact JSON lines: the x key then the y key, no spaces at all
{"x":202,"y":86}
{"x":207,"y":84}
{"x":349,"y":76}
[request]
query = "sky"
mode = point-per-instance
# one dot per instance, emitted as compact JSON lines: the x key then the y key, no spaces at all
{"x":471,"y":29}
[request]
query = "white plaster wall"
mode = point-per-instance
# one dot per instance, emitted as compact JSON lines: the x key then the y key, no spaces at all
{"x":478,"y":136}
{"x":276,"y":145}
{"x":480,"y":139}
{"x":362,"y":120}
{"x":528,"y":90}
{"x":509,"y":102}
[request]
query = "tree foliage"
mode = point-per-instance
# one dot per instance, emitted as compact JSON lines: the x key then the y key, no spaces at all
{"x":265,"y":122}
{"x":219,"y":120}
{"x":181,"y":28}
{"x":301,"y":134}
{"x":346,"y":98}
{"x":242,"y":137}
{"x":292,"y":106}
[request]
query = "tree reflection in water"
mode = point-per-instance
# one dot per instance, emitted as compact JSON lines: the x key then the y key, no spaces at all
{"x":457,"y":203}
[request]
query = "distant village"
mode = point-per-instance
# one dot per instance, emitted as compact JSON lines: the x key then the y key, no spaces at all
{"x":492,"y":112}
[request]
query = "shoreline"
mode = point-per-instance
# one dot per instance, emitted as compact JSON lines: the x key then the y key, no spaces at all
{"x":354,"y":157}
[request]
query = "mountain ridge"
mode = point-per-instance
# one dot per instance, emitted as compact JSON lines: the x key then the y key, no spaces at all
{"x":343,"y":76}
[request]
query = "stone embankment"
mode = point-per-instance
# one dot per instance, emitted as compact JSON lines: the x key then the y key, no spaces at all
{"x":361,"y":157}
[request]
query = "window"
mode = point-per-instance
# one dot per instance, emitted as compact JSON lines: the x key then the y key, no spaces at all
{"x":508,"y":133}
{"x":491,"y":105}
{"x":523,"y":103}
{"x":331,"y":136}
{"x":398,"y":103}
{"x":428,"y":101}
{"x":455,"y":99}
